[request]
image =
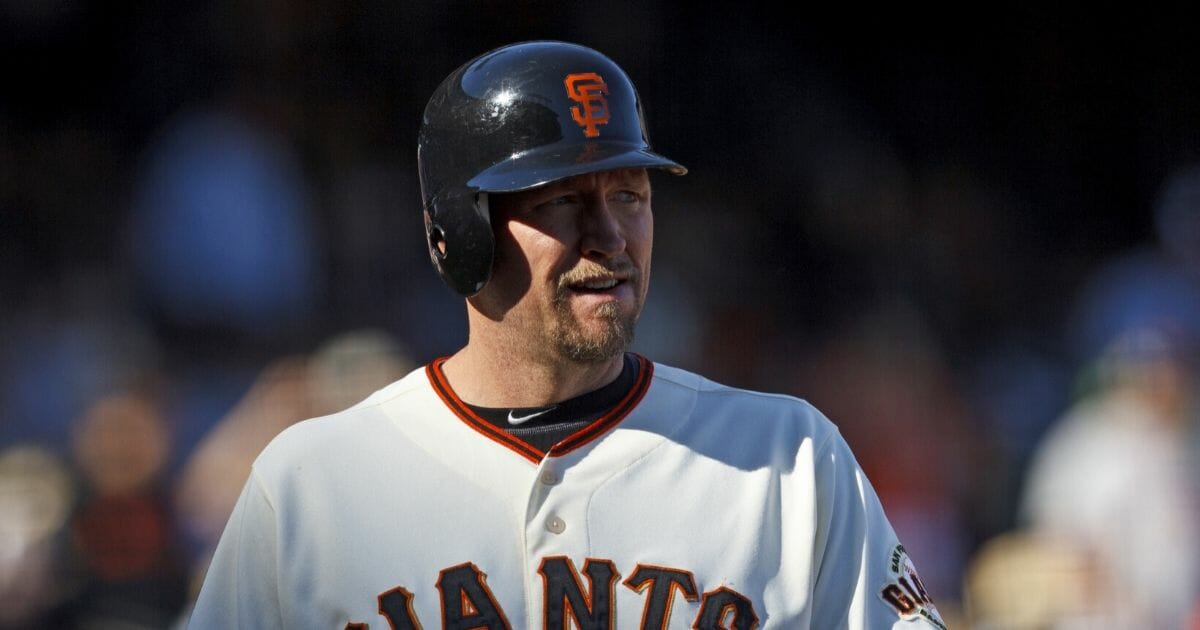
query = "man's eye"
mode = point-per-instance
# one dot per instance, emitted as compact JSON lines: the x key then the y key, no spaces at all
{"x":625,"y":196}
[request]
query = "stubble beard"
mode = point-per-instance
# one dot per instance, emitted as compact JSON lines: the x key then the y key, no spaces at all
{"x":574,"y":343}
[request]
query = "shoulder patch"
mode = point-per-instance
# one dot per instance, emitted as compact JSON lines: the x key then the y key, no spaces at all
{"x":905,"y":592}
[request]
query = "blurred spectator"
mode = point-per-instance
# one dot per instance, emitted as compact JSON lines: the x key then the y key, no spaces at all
{"x":1114,"y":480}
{"x":221,"y":233}
{"x":36,"y":496}
{"x":62,"y":350}
{"x":123,"y":532}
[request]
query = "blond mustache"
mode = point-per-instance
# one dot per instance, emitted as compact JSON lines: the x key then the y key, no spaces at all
{"x":589,"y":271}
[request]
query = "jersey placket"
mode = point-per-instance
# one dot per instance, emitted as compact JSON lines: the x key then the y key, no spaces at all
{"x":554,"y":528}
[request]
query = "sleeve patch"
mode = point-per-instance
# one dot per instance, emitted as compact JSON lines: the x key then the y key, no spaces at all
{"x":905,"y":592}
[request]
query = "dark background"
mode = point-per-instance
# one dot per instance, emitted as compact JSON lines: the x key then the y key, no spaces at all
{"x":1068,"y":121}
{"x":880,"y":202}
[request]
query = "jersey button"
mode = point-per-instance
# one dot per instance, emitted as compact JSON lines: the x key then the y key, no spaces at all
{"x":549,"y":478}
{"x":556,"y":525}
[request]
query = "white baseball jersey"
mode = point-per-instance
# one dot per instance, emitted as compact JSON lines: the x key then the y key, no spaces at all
{"x":687,"y":505}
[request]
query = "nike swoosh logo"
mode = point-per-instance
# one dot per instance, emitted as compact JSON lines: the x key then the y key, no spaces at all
{"x":515,"y":420}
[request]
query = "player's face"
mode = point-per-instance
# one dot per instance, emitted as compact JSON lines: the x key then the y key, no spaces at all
{"x":573,"y":263}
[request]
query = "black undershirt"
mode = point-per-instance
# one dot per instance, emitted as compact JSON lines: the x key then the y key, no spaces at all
{"x":553,"y":423}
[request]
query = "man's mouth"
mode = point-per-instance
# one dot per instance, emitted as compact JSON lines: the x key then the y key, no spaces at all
{"x":616,"y":281}
{"x":596,"y":285}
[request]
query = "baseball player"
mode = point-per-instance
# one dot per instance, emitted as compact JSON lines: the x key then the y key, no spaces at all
{"x":543,"y":476}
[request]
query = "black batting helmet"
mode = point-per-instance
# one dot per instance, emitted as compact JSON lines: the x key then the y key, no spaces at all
{"x":511,"y":119}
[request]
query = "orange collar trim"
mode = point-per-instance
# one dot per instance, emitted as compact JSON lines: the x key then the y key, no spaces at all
{"x":606,"y":421}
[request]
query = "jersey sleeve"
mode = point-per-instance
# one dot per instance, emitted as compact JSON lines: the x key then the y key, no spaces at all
{"x":240,"y":587}
{"x":865,"y":578}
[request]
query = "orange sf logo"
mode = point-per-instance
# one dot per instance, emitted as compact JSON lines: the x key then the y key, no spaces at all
{"x":588,"y":89}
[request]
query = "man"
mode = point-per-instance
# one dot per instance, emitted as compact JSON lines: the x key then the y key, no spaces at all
{"x":1114,"y":480}
{"x":542,"y":475}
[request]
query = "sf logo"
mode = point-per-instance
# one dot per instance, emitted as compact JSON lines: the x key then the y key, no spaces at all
{"x":588,"y":89}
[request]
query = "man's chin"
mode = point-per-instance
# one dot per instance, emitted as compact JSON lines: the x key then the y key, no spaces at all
{"x":595,"y":341}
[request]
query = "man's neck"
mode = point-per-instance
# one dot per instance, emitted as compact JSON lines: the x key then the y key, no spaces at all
{"x":494,"y":377}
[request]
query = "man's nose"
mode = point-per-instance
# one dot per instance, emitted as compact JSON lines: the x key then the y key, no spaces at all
{"x":601,"y":232}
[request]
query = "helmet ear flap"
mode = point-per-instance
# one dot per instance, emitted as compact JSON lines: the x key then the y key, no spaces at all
{"x":461,"y":247}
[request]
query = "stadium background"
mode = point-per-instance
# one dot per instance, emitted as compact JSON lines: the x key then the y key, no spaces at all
{"x":210,"y":228}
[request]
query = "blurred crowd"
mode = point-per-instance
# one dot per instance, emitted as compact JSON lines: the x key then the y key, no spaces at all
{"x":214,"y":231}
